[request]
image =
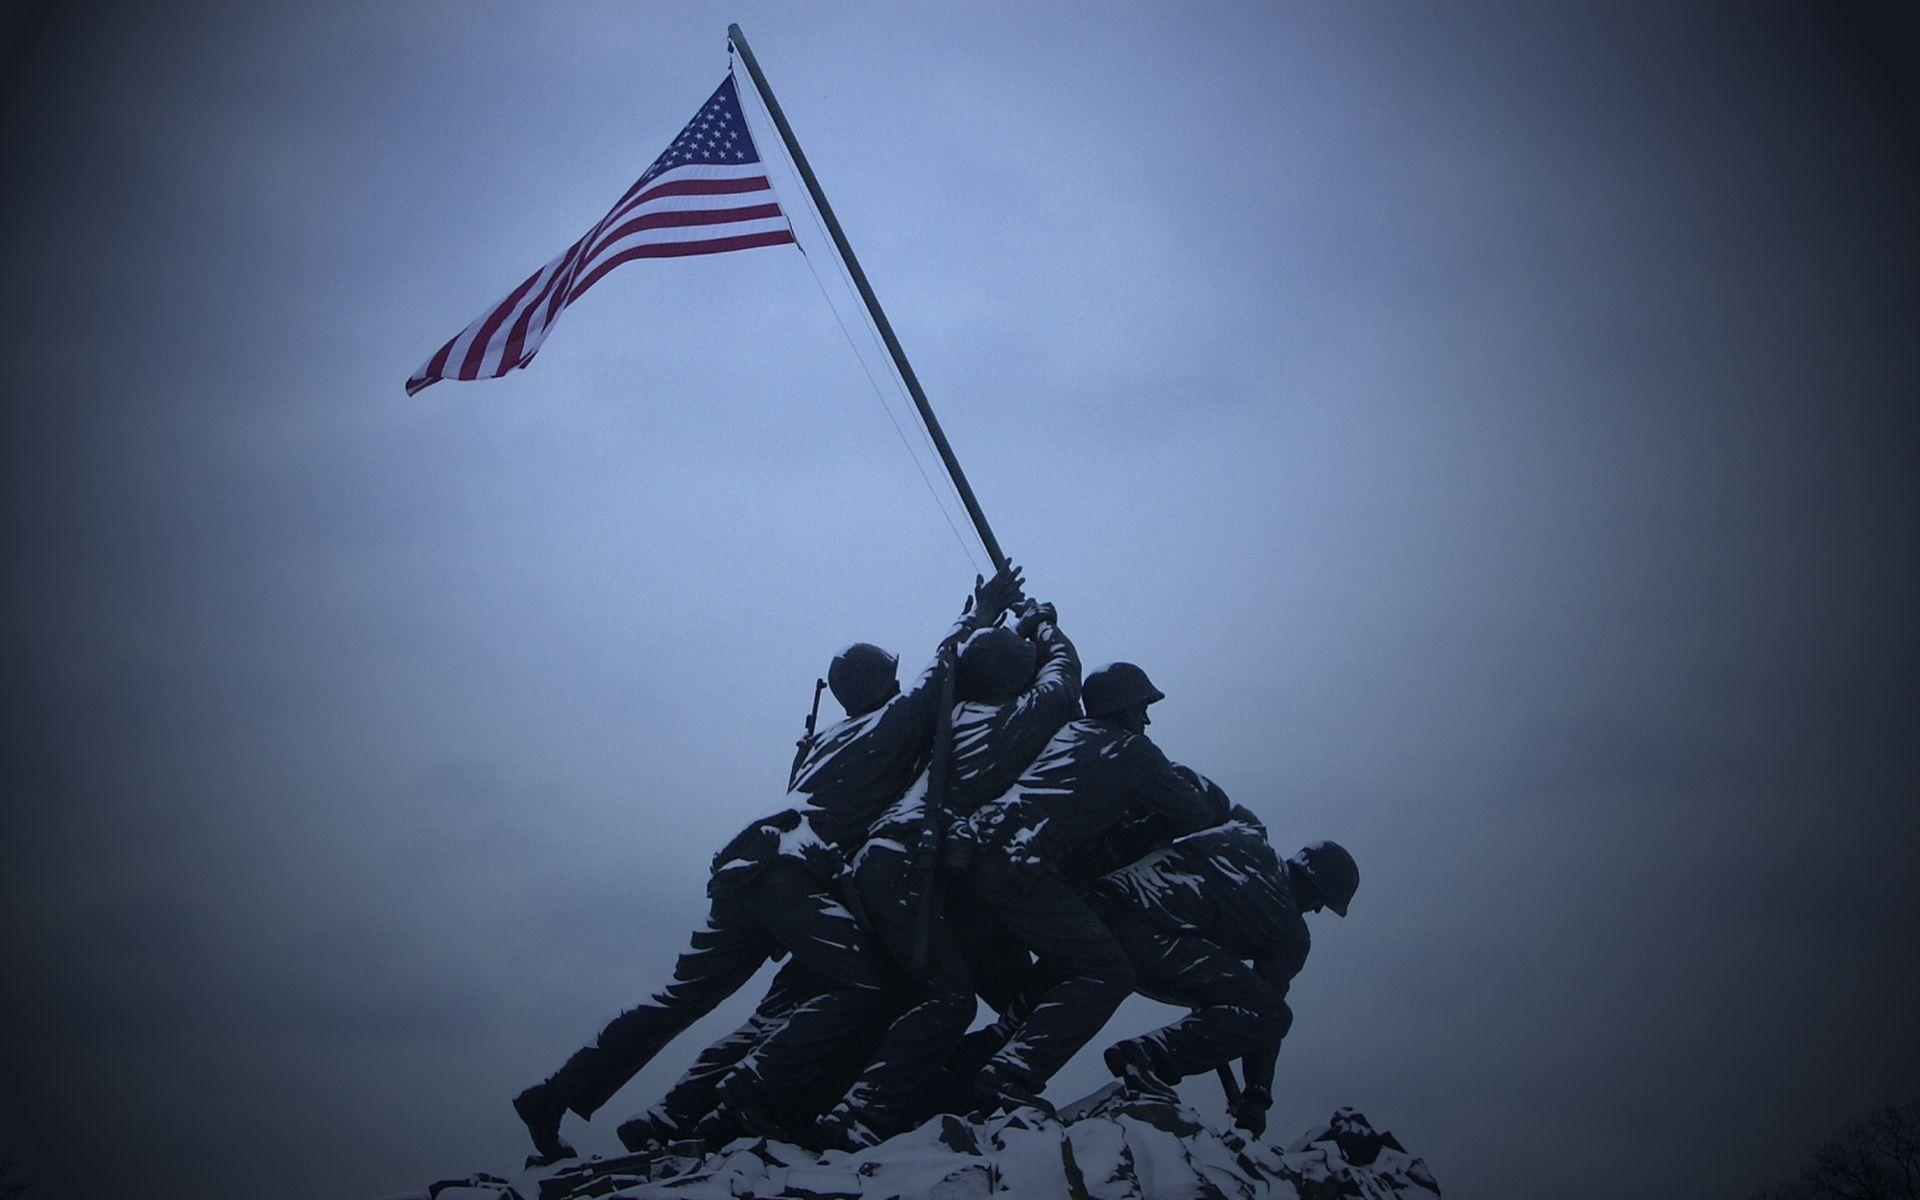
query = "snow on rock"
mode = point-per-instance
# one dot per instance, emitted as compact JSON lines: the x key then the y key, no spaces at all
{"x":1124,"y":1146}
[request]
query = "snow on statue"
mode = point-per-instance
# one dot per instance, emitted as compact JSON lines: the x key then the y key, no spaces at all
{"x":1126,"y":1147}
{"x":774,"y":892}
{"x":1001,"y":831}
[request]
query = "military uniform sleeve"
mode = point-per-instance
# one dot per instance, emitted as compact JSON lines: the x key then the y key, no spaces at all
{"x":913,"y":709}
{"x":1278,"y":969}
{"x":1213,"y":791}
{"x":1131,"y":841}
{"x":1258,"y":1068}
{"x":1056,"y":682}
{"x":1033,"y":717}
{"x":1165,"y":789}
{"x":1246,"y":816}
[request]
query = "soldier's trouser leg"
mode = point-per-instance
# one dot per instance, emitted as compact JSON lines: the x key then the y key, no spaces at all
{"x":1010,"y":983}
{"x":939,"y":1004}
{"x":1234,"y":1011}
{"x":1002,"y":968}
{"x":950,"y":1090}
{"x":697,"y":1093}
{"x":850,"y":977}
{"x":723,"y":956}
{"x":1042,"y":910}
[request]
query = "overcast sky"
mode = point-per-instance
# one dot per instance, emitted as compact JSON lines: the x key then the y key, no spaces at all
{"x":1492,"y":427}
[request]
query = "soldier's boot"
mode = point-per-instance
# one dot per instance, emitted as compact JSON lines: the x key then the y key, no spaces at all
{"x":842,"y":1129}
{"x":1132,"y":1064}
{"x":742,"y":1093}
{"x":717,"y":1129}
{"x":541,"y":1107}
{"x":646,"y":1134}
{"x":999,"y":1087}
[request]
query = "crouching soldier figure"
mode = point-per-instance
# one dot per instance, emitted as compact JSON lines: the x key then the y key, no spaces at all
{"x":1190,"y":917}
{"x":772,"y":893}
{"x":1095,"y":774}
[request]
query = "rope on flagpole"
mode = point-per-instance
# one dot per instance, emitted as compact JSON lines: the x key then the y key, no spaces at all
{"x":938,"y":502}
{"x":898,"y":385}
{"x":898,"y":388}
{"x":872,"y":302}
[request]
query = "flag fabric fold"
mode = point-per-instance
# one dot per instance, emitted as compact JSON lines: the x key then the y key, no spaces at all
{"x":706,"y":194}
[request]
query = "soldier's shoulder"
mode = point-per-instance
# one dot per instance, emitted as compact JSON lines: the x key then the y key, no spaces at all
{"x":1249,"y":839}
{"x":783,"y":821}
{"x":837,"y":737}
{"x":1141,"y":745}
{"x":1240,"y":814}
{"x":1241,"y":849}
{"x":1083,"y":731}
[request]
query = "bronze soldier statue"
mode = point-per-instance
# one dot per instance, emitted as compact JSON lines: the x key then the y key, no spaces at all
{"x":1025,"y":854}
{"x":772,"y":893}
{"x":1191,"y":917}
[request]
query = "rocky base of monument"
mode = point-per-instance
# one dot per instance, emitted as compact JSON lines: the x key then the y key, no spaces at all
{"x":1119,"y":1146}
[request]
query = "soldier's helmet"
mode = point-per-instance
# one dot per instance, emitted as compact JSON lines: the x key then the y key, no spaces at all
{"x":863,"y":677}
{"x":996,"y":664}
{"x":1333,"y":872}
{"x":1117,"y":686}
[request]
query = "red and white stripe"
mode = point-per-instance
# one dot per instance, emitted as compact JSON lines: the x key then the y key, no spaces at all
{"x":691,"y":209}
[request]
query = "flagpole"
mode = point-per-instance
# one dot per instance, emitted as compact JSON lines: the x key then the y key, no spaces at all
{"x":866,"y":294}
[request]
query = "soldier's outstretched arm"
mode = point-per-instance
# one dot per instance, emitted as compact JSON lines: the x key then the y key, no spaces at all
{"x":914,"y":706}
{"x":1215,"y":794}
{"x":1277,"y":968}
{"x":990,"y":598}
{"x":1131,"y":841}
{"x":1168,"y":789}
{"x":1257,"y":1069}
{"x":1056,"y":679}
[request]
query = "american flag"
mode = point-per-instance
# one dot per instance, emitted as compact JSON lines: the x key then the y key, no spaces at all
{"x":706,"y":195}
